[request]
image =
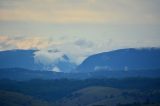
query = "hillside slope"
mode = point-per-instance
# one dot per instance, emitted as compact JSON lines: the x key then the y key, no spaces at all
{"x":107,"y":96}
{"x":8,"y":98}
{"x":26,"y":59}
{"x":123,"y":59}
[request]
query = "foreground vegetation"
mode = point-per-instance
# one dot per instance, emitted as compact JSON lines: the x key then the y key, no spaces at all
{"x":89,"y":92}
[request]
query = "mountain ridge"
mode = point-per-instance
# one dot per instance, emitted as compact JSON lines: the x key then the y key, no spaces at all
{"x":122,"y":59}
{"x":26,"y":59}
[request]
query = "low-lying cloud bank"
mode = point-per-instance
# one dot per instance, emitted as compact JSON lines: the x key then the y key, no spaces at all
{"x":76,"y":49}
{"x":50,"y":51}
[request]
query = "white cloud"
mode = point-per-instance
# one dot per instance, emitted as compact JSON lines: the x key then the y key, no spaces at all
{"x":56,"y":69}
{"x":97,"y":68}
{"x":27,"y":42}
{"x":78,"y":28}
{"x":48,"y":58}
{"x":51,"y":50}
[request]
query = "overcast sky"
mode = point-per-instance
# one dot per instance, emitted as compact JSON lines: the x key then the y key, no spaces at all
{"x":79,"y":28}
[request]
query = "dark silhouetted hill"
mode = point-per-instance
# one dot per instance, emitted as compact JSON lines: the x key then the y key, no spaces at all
{"x":122,"y":59}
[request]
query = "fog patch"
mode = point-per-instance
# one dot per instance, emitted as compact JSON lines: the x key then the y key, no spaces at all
{"x":46,"y":57}
{"x":56,"y":69}
{"x":99,"y":68}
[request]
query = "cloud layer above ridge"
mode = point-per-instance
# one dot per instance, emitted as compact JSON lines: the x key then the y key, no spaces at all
{"x":78,"y":28}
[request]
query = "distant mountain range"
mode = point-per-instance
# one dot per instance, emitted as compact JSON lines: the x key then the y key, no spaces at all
{"x":19,"y":65}
{"x":125,"y":77}
{"x":24,"y":74}
{"x":26,"y":59}
{"x":122,"y":59}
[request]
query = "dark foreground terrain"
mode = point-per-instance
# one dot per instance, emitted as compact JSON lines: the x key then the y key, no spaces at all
{"x":87,"y":92}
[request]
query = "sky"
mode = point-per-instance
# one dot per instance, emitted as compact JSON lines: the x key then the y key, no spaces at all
{"x":78,"y":28}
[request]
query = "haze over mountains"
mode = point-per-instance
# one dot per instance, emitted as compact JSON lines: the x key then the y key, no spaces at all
{"x":19,"y":65}
{"x":124,"y":76}
{"x":122,"y":59}
{"x":79,"y":53}
{"x":27,"y":59}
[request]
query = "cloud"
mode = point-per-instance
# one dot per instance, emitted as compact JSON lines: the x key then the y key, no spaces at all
{"x":48,"y":58}
{"x":83,"y":43}
{"x":50,"y":51}
{"x":92,"y":1}
{"x":97,"y":68}
{"x":5,"y":43}
{"x":3,"y":38}
{"x":56,"y":69}
{"x":78,"y":28}
{"x":84,"y":11}
{"x":58,"y":16}
{"x":27,"y":42}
